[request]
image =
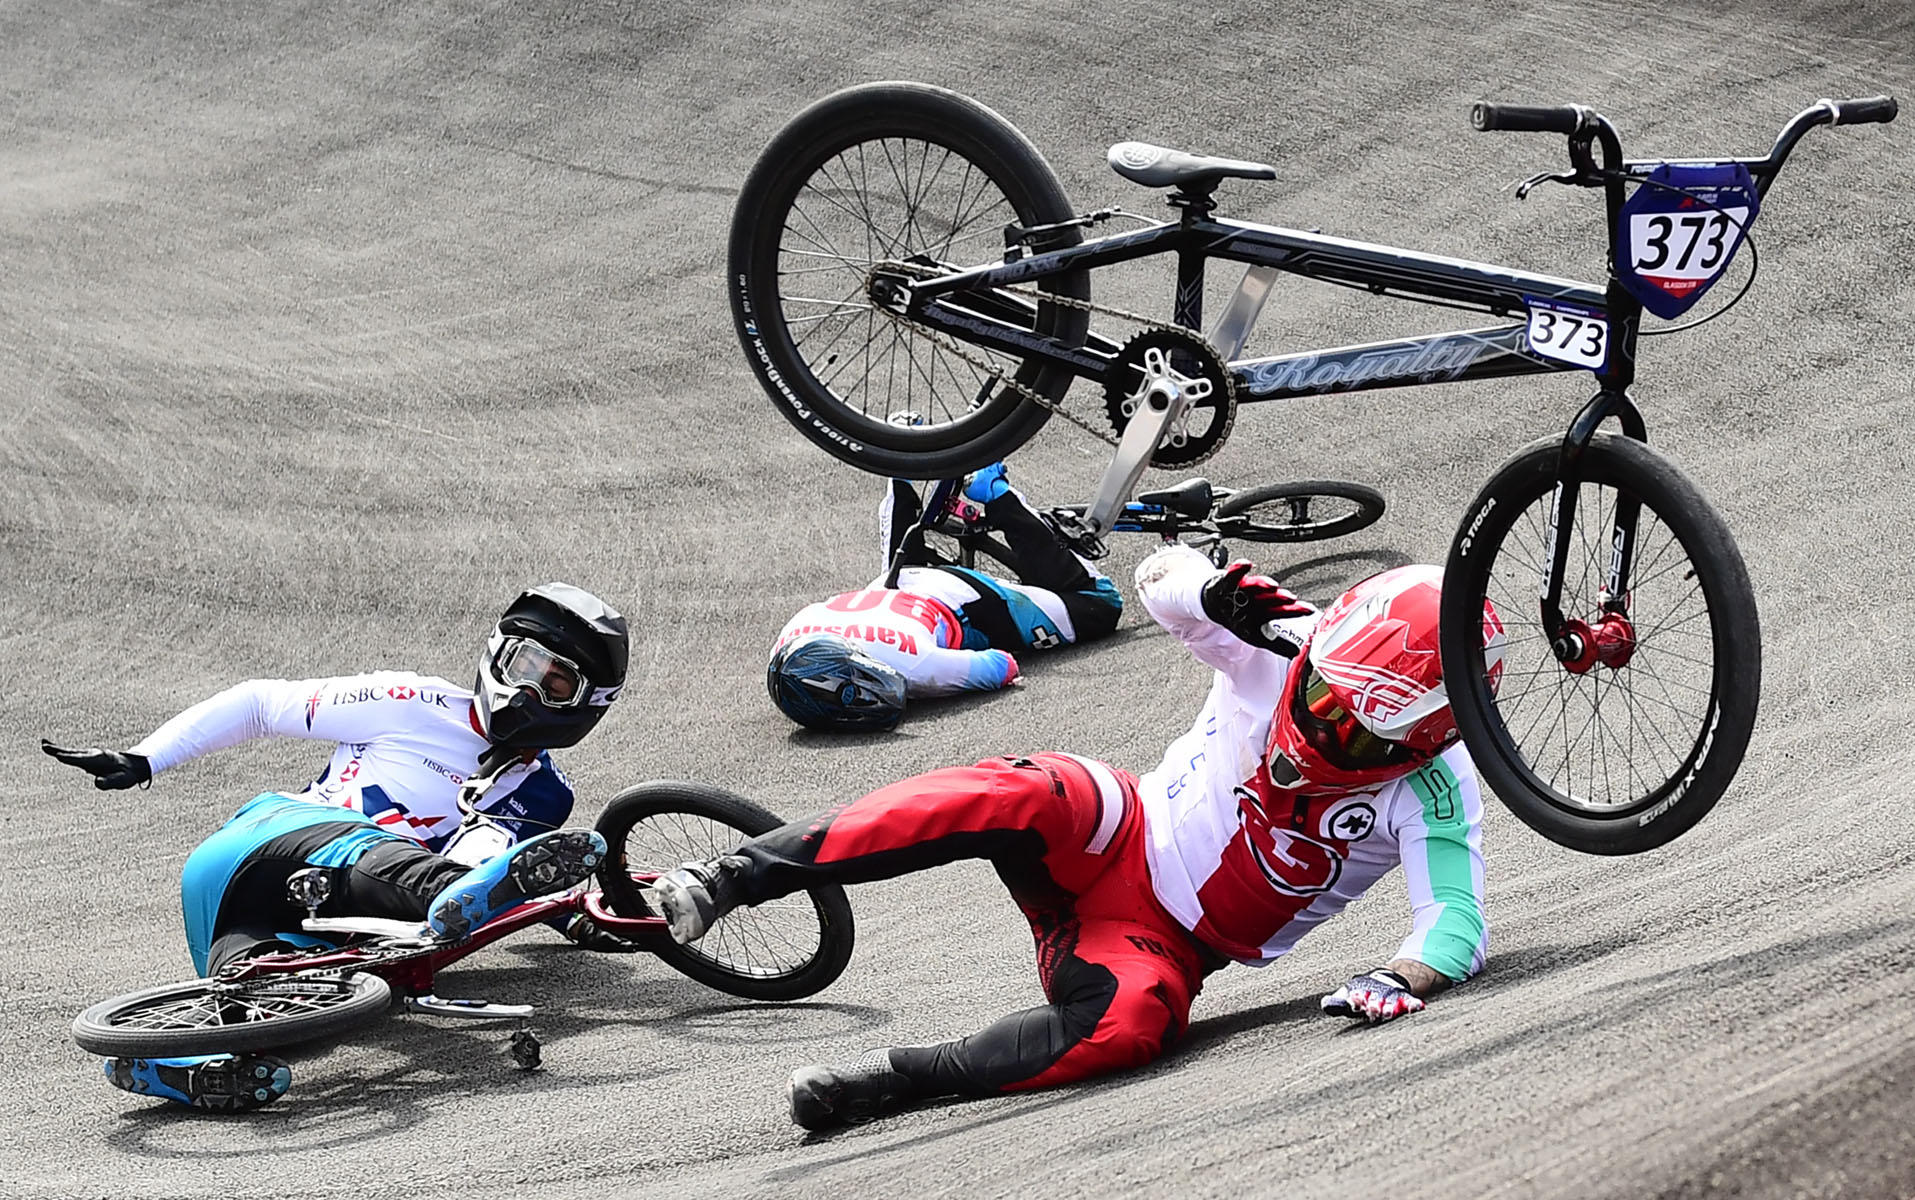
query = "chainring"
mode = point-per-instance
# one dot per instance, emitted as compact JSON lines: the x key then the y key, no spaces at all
{"x":1206,"y":424}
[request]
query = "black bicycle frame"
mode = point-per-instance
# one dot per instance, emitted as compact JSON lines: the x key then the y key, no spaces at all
{"x":1492,"y":352}
{"x":969,"y":306}
{"x":1497,"y":351}
{"x":1438,"y":358}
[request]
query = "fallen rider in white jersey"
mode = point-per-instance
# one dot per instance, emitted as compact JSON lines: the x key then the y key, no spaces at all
{"x":851,"y":662}
{"x":383,"y":813}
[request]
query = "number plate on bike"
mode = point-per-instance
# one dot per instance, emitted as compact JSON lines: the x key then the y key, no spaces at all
{"x":1681,"y":229}
{"x":1568,"y":333}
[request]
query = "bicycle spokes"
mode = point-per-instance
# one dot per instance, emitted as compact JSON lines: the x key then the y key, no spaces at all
{"x":1605,"y":697}
{"x":769,"y":939}
{"x":900,"y":205}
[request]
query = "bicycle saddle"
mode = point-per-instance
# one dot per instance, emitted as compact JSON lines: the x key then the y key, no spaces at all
{"x":1155,"y":166}
{"x":1191,"y":498}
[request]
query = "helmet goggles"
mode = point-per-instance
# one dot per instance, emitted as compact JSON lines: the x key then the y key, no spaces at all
{"x":1334,"y":732}
{"x":520,"y":662}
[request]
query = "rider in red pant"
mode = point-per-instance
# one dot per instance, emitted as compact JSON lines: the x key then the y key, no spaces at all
{"x":1324,"y":757}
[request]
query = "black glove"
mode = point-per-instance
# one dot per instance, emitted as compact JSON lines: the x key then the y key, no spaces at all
{"x":111,"y":769}
{"x":1374,"y":996}
{"x":1247,"y":604}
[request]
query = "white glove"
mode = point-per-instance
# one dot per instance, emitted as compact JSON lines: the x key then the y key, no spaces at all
{"x":1374,"y":996}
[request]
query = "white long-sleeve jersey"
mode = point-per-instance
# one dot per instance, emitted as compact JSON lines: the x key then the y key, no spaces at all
{"x":1249,"y":867}
{"x":913,"y":628}
{"x":405,"y":743}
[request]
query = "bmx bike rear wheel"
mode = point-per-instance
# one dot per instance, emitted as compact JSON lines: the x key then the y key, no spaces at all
{"x":914,"y":181}
{"x":211,"y":1016}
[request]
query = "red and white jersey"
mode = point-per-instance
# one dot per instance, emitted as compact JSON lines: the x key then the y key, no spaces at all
{"x":913,"y":628}
{"x":405,"y":743}
{"x":1249,"y":867}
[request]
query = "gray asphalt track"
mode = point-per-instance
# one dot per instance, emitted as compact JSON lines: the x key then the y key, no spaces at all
{"x":323,"y":328}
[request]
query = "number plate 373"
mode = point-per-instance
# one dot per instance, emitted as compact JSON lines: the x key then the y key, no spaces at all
{"x":1577,"y":336}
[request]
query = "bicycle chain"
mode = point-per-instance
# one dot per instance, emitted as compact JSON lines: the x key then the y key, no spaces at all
{"x":996,"y":372}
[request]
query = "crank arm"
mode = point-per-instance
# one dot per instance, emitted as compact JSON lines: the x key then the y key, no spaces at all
{"x":1142,"y":435}
{"x":472,"y":1010}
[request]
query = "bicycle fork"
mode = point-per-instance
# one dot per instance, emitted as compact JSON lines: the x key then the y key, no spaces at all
{"x":1577,"y":643}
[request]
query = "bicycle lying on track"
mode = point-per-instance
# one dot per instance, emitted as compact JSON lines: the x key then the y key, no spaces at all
{"x":1633,"y":664}
{"x":774,"y":952}
{"x":1195,"y":511}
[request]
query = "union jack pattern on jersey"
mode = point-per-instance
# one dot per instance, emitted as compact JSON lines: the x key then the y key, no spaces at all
{"x":405,"y":743}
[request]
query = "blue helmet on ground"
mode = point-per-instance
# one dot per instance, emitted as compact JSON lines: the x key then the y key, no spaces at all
{"x":823,"y":681}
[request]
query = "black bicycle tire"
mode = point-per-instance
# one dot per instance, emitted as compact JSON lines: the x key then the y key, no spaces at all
{"x":971,"y":544}
{"x":837,"y":932}
{"x":1232,"y":524}
{"x":97,"y":1033}
{"x":955,"y":544}
{"x":1675,"y":806}
{"x":810,"y":140}
{"x":992,"y":548}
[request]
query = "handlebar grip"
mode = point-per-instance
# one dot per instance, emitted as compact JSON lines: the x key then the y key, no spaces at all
{"x":1868,"y":110}
{"x":1527,"y":118}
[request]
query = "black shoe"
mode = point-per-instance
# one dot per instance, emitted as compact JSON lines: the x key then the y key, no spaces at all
{"x":826,"y":1097}
{"x":695,"y":895}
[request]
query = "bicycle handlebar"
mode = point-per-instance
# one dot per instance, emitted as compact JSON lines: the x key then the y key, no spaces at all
{"x":1868,"y":110}
{"x":1569,"y":119}
{"x":1583,"y":125}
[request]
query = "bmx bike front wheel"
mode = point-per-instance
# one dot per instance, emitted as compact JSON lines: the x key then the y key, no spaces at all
{"x":784,"y":949}
{"x":1622,"y":751}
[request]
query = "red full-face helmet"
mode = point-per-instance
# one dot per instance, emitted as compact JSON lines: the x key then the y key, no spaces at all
{"x":1364,"y":701}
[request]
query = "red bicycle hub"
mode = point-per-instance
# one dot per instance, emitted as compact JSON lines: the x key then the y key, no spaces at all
{"x":1580,"y":646}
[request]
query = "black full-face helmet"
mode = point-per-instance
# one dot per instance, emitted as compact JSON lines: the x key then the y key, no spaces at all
{"x":554,"y":664}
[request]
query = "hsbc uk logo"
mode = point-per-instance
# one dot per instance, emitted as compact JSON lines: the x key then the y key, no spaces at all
{"x":360,"y":695}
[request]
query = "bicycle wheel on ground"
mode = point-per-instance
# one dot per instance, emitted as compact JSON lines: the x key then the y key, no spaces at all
{"x":209,"y":1016}
{"x":780,"y":950}
{"x":954,"y":543}
{"x":1308,"y":511}
{"x":919,"y":180}
{"x":1629,"y":743}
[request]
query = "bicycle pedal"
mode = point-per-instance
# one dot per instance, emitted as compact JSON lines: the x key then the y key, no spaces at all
{"x":526,"y":1049}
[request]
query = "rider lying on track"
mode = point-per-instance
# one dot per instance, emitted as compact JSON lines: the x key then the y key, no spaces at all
{"x":382,"y":816}
{"x":1324,"y":756}
{"x":850,"y":662}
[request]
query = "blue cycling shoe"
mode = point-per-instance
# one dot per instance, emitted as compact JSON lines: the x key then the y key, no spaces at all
{"x":986,"y":484}
{"x":550,"y":862}
{"x":227,"y":1083}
